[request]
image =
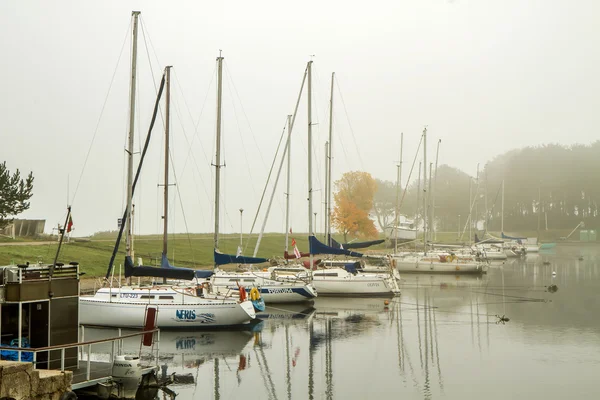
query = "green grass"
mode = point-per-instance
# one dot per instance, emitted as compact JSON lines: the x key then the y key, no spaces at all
{"x":195,"y":250}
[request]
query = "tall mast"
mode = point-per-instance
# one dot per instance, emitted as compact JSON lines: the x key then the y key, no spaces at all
{"x":429,"y":202}
{"x":502,"y":210}
{"x":326,"y":192}
{"x":287,"y":149}
{"x":398,"y":179}
{"x":437,"y":154}
{"x":166,"y":178}
{"x":132,"y":88}
{"x":417,"y":216}
{"x":425,"y":197}
{"x":539,"y":209}
{"x":287,"y":190}
{"x":218,"y":152}
{"x":329,"y":174}
{"x":310,"y":194}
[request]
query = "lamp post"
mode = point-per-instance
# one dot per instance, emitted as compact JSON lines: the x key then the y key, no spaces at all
{"x":241,"y":212}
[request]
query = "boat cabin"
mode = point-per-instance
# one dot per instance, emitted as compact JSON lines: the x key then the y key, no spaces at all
{"x":39,"y":307}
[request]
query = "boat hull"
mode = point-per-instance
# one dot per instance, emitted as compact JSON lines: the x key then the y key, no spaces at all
{"x":416,"y":265}
{"x":352,"y":287}
{"x":181,"y":316}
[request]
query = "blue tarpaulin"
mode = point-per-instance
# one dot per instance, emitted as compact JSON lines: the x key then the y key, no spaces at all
{"x":317,"y":247}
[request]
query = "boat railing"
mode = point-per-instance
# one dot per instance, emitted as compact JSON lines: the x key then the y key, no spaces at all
{"x":84,"y":352}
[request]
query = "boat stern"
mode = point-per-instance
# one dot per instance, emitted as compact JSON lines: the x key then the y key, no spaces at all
{"x":248,"y":308}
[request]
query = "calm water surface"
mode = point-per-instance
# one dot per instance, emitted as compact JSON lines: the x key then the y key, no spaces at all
{"x":439,"y":340}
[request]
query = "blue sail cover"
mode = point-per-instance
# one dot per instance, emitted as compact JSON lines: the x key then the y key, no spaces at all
{"x":171,"y":273}
{"x":198,"y":273}
{"x":317,"y":247}
{"x":222,"y":259}
{"x":355,"y":245}
{"x":511,"y":238}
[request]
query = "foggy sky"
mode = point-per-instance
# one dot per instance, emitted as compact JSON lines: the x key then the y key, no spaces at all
{"x":484,"y":76}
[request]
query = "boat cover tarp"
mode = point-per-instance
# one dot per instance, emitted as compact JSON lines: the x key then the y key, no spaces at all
{"x":351,"y":267}
{"x":355,"y":245}
{"x":200,"y":274}
{"x":317,"y":247}
{"x":169,"y":273}
{"x":222,"y":259}
{"x":292,"y":256}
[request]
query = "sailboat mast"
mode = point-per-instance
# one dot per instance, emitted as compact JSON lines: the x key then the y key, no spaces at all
{"x":429,"y":202}
{"x":437,"y":154}
{"x":310,"y":194}
{"x":425,"y":197}
{"x":398,"y":179}
{"x":328,"y":183}
{"x":326,"y":192}
{"x":502,"y":211}
{"x":132,"y":88}
{"x":417,"y":218}
{"x":166,"y":179}
{"x":218,"y":151}
{"x":287,"y":189}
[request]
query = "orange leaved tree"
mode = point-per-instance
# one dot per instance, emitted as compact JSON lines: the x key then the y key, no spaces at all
{"x":353,"y":201}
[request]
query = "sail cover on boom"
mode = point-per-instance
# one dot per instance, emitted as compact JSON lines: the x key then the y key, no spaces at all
{"x":198,"y":273}
{"x":355,"y":245}
{"x":221,"y":259}
{"x":317,"y":247}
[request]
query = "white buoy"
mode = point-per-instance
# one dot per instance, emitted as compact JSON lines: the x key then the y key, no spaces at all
{"x":553,"y":273}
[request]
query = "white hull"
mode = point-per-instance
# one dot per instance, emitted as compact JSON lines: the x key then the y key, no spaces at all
{"x":127,"y":307}
{"x":271,"y":291}
{"x":409,"y":264}
{"x":360,"y":286}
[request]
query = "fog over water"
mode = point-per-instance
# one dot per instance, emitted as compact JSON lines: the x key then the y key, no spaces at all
{"x":485,"y":77}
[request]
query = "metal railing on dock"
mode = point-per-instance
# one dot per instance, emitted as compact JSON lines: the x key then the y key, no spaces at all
{"x":85,"y":370}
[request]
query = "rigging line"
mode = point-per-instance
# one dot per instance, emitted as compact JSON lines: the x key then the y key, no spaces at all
{"x":262,"y":197}
{"x":112,"y":80}
{"x":349,"y":124}
{"x":228,"y":72}
{"x":150,"y":63}
{"x":191,"y":143}
{"x":180,"y":119}
{"x":410,"y":174}
{"x":240,"y":135}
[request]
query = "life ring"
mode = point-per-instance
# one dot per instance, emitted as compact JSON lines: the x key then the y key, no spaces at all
{"x":254,"y":294}
{"x":242,"y":293}
{"x":443,"y":258}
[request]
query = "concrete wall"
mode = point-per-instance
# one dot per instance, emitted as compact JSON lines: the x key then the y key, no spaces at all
{"x":19,"y":381}
{"x":24,"y":227}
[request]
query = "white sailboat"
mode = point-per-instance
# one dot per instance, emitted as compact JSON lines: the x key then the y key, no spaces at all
{"x":172,"y":306}
{"x":432,"y":261}
{"x":270,"y":289}
{"x":329,"y":281}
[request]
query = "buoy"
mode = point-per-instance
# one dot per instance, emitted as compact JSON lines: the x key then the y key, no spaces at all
{"x":386,"y":302}
{"x":553,"y":273}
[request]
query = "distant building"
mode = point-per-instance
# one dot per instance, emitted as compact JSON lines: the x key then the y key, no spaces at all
{"x":24,"y":227}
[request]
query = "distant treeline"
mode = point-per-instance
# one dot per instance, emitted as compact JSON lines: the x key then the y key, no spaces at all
{"x":557,"y":184}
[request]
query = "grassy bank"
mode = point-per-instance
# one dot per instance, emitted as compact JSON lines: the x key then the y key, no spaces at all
{"x":195,"y":251}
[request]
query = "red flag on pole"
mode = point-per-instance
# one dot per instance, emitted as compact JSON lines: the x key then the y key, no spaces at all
{"x":70,"y":224}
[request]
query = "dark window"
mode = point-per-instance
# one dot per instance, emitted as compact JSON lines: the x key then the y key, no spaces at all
{"x":165,"y":297}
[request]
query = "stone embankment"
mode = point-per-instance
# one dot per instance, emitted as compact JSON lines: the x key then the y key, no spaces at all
{"x":20,"y":381}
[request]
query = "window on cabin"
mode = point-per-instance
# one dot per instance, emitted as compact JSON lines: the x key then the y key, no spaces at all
{"x":145,"y":296}
{"x":165,"y":297}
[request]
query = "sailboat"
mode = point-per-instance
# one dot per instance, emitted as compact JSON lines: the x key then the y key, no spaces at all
{"x":332,"y":281}
{"x":432,"y":261}
{"x":172,"y":305}
{"x":261,"y":288}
